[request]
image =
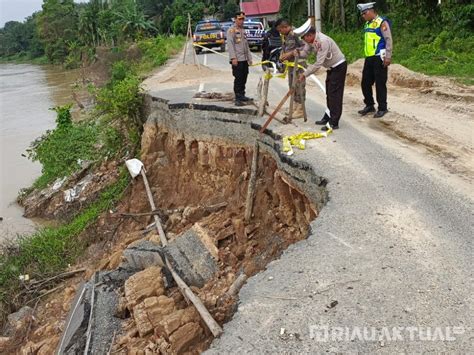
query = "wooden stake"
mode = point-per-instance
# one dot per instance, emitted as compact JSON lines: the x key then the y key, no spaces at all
{"x":215,"y":328}
{"x":303,"y":97}
{"x":236,"y":285}
{"x":252,"y":182}
{"x":272,"y":116}
{"x":293,"y":85}
{"x":263,"y":99}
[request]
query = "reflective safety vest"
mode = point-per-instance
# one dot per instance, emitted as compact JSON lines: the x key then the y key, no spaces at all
{"x":373,"y":39}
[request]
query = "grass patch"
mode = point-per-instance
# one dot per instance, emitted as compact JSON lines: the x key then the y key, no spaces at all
{"x":156,"y":51}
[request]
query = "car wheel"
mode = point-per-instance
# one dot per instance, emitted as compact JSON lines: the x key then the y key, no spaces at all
{"x":223,"y":48}
{"x":198,"y":50}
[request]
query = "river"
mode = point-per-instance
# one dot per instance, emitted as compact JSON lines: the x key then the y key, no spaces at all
{"x":26,"y":94}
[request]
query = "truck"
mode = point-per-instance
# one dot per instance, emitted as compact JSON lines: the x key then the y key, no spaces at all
{"x":209,"y":34}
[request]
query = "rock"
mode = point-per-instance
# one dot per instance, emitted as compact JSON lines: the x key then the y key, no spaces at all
{"x":149,"y":313}
{"x":143,"y":284}
{"x":143,"y":254}
{"x":4,"y":341}
{"x":190,"y":257}
{"x":239,"y":228}
{"x":175,"y":320}
{"x":18,"y":320}
{"x":185,"y":337}
{"x":194,"y":214}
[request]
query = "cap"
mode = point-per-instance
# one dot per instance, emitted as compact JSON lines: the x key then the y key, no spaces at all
{"x":301,"y":31}
{"x":240,"y":15}
{"x":364,"y":7}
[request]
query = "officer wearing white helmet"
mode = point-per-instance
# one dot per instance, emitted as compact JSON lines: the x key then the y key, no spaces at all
{"x":378,"y":56}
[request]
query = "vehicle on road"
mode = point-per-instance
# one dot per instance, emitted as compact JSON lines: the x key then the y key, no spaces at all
{"x":255,"y":32}
{"x":209,"y":34}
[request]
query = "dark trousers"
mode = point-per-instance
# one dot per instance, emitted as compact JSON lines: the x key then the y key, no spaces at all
{"x":375,"y":72}
{"x":240,"y":73}
{"x":335,"y":81}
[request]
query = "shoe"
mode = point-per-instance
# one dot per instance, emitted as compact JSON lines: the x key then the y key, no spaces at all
{"x":245,"y":98}
{"x":323,"y":120}
{"x":298,"y":112}
{"x":366,"y":110}
{"x":380,"y":113}
{"x":326,"y":128}
{"x":239,"y":103}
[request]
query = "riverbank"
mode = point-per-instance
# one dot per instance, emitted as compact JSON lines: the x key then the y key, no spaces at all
{"x":27,"y":92}
{"x":114,"y":136}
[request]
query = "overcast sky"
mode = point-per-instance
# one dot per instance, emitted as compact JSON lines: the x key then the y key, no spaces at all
{"x":17,"y":10}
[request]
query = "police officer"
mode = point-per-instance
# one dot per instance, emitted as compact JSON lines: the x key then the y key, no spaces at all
{"x":378,"y":55}
{"x":329,"y":56}
{"x":240,"y":58}
{"x":291,"y":42}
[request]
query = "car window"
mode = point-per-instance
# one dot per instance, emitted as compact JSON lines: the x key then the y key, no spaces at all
{"x":208,"y":27}
{"x":253,"y":26}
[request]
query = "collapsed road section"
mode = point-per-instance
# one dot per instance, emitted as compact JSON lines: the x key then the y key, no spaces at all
{"x":198,"y":160}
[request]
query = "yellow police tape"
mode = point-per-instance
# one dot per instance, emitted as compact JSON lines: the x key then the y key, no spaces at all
{"x":266,"y":75}
{"x":299,"y":140}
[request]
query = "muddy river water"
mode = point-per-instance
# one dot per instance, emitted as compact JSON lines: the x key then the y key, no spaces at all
{"x":26,"y":94}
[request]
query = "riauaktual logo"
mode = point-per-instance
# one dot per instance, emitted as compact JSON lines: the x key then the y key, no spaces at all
{"x":324,"y":333}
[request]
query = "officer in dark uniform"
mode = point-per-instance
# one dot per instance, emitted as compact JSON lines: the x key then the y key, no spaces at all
{"x":378,"y":56}
{"x":240,"y":58}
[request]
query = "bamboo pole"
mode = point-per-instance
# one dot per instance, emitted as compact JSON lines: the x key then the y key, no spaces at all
{"x":263,"y":99}
{"x":293,"y":85}
{"x":215,"y":328}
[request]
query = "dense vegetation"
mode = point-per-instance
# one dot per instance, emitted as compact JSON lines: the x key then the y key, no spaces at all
{"x":431,"y":37}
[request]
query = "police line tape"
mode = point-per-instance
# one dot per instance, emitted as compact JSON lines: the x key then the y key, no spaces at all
{"x":299,"y":140}
{"x":275,"y":70}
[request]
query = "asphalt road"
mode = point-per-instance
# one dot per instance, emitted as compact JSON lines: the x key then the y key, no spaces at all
{"x":392,"y":248}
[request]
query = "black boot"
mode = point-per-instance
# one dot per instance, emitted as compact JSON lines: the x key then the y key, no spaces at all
{"x":380,"y":113}
{"x":245,"y":98}
{"x":323,"y":120}
{"x":239,"y":103}
{"x":331,"y":126}
{"x":366,"y":110}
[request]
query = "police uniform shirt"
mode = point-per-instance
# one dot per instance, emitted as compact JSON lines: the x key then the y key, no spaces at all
{"x":328,"y":54}
{"x":238,"y":46}
{"x":387,"y":35}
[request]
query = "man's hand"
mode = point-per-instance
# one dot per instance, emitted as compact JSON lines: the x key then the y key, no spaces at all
{"x":301,"y":78}
{"x":386,"y":62}
{"x":250,"y":62}
{"x":234,"y":62}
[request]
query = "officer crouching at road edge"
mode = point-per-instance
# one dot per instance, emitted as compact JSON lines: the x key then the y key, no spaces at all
{"x":378,"y":55}
{"x":240,"y":58}
{"x":329,"y":56}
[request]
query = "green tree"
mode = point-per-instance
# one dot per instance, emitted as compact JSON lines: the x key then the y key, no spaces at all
{"x":58,"y":25}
